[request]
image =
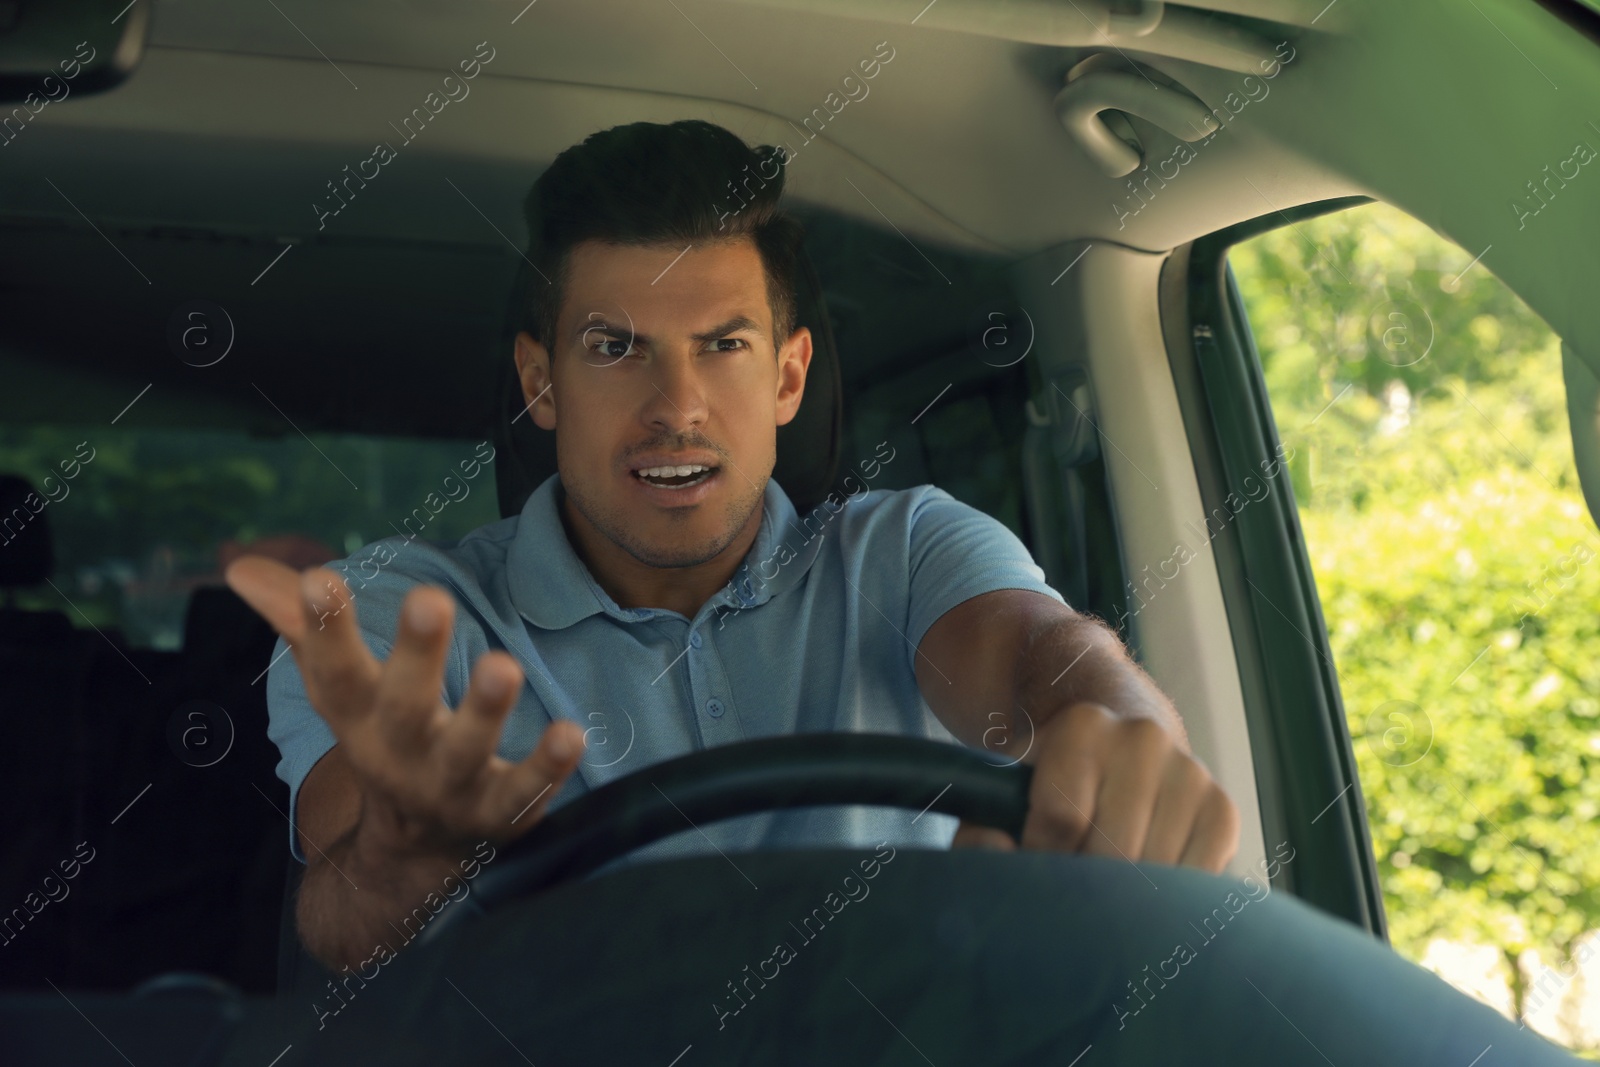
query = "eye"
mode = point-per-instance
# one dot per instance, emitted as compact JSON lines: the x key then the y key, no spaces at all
{"x":740,"y":342}
{"x":605,"y":350}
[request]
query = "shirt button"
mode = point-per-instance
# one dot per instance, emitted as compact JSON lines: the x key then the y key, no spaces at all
{"x":714,"y":708}
{"x":694,"y":639}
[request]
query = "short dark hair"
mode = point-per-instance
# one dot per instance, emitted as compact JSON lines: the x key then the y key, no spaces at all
{"x":648,"y":183}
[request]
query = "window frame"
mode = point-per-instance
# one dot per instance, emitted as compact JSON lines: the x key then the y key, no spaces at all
{"x":1307,"y":781}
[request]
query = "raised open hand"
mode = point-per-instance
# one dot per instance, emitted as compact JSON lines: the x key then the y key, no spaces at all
{"x":430,"y":776}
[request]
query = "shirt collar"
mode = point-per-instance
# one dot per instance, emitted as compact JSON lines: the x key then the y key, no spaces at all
{"x":553,"y":589}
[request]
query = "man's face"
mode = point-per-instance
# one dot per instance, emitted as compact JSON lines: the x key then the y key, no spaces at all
{"x":665,"y":358}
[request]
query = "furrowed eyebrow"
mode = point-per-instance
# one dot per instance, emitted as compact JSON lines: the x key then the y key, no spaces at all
{"x":733,"y":325}
{"x":615,"y":332}
{"x":604,"y":328}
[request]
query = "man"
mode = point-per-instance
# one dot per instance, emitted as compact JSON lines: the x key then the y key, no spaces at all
{"x":662,"y":590}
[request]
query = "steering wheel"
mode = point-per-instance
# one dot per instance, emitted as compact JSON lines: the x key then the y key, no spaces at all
{"x":1001,"y":924}
{"x":795,"y":771}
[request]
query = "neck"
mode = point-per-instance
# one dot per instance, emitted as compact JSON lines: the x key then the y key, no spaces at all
{"x":633,"y":584}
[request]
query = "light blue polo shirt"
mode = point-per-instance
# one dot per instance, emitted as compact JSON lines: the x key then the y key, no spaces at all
{"x":816,"y":632}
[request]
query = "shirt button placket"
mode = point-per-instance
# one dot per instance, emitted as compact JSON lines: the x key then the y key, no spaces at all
{"x":705,"y":683}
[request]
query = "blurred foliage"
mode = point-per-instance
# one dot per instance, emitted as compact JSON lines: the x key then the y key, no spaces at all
{"x":1458,"y":569}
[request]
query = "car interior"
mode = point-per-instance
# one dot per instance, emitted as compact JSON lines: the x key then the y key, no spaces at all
{"x":1017,"y":233}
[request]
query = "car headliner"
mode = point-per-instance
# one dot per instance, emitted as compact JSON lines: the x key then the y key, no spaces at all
{"x":235,"y":120}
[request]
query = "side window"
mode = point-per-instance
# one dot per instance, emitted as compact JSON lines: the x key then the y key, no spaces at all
{"x":1457,"y":568}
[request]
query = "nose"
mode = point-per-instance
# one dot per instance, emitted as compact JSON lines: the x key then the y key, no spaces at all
{"x":677,"y":400}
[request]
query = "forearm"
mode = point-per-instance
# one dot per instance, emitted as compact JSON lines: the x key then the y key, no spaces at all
{"x":1063,"y":662}
{"x":355,"y":897}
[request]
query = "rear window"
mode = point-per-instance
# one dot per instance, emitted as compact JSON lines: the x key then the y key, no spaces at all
{"x":140,"y":517}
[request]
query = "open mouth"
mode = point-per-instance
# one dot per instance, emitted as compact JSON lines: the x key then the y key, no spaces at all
{"x":675,"y":477}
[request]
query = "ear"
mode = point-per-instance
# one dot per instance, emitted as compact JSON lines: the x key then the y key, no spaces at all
{"x":794,"y":359}
{"x":533,"y":370}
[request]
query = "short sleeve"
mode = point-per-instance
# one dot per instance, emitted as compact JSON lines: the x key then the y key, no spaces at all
{"x":958,"y":552}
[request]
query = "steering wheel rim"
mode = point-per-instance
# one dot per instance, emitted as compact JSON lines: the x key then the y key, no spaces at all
{"x":747,"y":777}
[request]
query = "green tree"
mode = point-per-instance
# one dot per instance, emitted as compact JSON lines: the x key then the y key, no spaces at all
{"x":1458,"y":570}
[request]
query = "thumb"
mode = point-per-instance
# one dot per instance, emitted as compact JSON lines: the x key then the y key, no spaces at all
{"x":272,"y":590}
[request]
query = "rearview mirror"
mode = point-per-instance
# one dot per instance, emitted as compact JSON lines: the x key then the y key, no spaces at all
{"x":52,"y":48}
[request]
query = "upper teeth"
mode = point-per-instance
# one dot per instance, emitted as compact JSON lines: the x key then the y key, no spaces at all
{"x":669,"y":472}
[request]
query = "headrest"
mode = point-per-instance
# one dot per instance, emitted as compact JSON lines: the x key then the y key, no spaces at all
{"x":222,"y":630}
{"x":808,"y":447}
{"x":27,"y":556}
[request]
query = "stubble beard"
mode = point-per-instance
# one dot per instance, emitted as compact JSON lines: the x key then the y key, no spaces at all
{"x":652,"y":554}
